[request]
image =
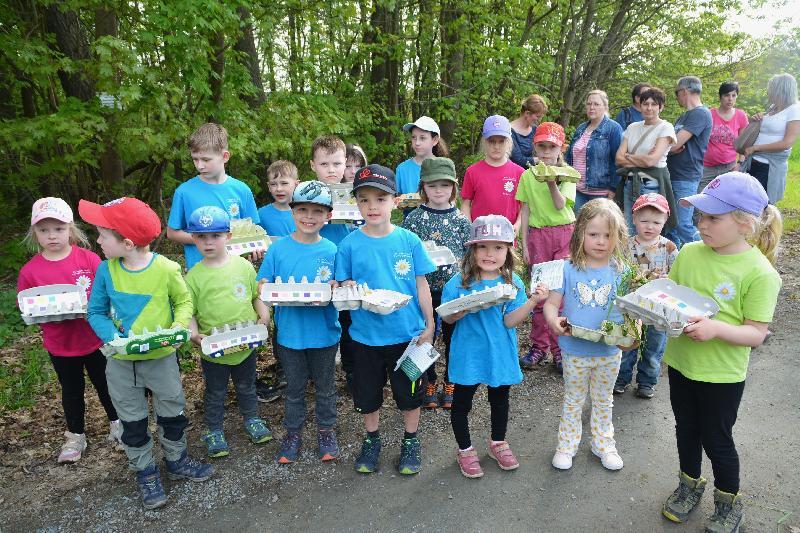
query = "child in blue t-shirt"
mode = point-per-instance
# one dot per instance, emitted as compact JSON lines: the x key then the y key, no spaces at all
{"x":307,"y":336}
{"x":385,"y":257}
{"x":484,"y":343}
{"x":328,"y":162}
{"x":591,"y":279}
{"x":209,"y":149}
{"x":276,"y":218}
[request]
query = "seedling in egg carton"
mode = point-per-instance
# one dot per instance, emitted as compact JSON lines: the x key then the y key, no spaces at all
{"x":440,"y":255}
{"x":146,"y":341}
{"x":477,"y":300}
{"x":344,"y":204}
{"x":247,"y":237}
{"x":409,"y":200}
{"x":233,"y":338}
{"x":292,"y":293}
{"x":52,"y":303}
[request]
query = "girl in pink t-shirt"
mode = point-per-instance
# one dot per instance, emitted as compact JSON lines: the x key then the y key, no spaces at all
{"x":490,"y":185}
{"x":72,"y":344}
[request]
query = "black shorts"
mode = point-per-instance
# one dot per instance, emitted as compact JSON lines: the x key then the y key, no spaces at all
{"x":371,"y":364}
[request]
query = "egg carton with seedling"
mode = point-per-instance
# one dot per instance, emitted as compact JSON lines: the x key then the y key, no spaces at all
{"x":544,"y":173}
{"x":440,"y":255}
{"x":247,"y":237}
{"x":408,"y":200}
{"x":146,"y":341}
{"x":52,"y":303}
{"x":381,"y":301}
{"x":478,"y":300}
{"x":666,"y":306}
{"x":293,"y":293}
{"x":344,"y":204}
{"x":610,"y":333}
{"x":233,"y":338}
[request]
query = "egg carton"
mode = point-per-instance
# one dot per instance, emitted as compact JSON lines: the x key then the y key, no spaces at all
{"x":666,"y":306}
{"x":409,"y":200}
{"x":52,"y":303}
{"x":247,"y":237}
{"x":146,"y":341}
{"x":611,"y":334}
{"x":544,"y":173}
{"x":348,"y":298}
{"x":233,"y":338}
{"x":478,"y":300}
{"x":440,"y":255}
{"x":381,"y":301}
{"x":416,"y":359}
{"x":292,"y":293}
{"x":343,"y":213}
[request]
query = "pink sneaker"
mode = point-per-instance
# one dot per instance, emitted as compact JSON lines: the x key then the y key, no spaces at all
{"x":469,"y":464}
{"x":501,"y":452}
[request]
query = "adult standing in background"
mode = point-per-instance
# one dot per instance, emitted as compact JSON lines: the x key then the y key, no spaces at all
{"x":629,"y":115}
{"x":523,"y":129}
{"x":592,"y":151}
{"x":727,"y":123}
{"x":768,"y":158}
{"x":685,"y":160}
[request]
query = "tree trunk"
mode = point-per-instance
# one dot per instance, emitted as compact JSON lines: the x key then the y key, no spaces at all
{"x":246,"y":45}
{"x":453,"y":29}
{"x":217,"y":75}
{"x":384,"y":75}
{"x":111,"y":169}
{"x":71,"y":41}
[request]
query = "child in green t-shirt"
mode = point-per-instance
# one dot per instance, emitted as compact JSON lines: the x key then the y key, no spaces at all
{"x":708,"y":363}
{"x":224,"y":291}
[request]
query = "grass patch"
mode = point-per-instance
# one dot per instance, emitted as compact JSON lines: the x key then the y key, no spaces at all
{"x":23,"y":377}
{"x":790,"y":205}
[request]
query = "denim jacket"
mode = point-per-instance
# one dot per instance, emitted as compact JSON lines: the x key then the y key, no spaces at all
{"x":600,"y":154}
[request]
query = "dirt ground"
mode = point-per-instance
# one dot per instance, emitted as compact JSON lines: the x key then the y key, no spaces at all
{"x":251,"y":493}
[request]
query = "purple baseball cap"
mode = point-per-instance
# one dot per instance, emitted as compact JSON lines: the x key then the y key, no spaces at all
{"x":728,"y":192}
{"x":496,"y":125}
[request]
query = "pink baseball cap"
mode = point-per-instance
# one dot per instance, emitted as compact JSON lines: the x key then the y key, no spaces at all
{"x":652,"y":199}
{"x":51,"y":208}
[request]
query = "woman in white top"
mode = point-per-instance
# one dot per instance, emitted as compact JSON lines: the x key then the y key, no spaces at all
{"x":644,"y":147}
{"x":767,"y":160}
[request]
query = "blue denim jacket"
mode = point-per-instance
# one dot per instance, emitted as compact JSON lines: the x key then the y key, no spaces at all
{"x":600,"y":153}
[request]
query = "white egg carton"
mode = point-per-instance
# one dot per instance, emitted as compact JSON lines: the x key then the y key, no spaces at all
{"x":666,"y":306}
{"x":416,"y":359}
{"x":146,"y":341}
{"x":409,"y":200}
{"x":233,"y":338}
{"x":381,"y":301}
{"x":478,"y":300}
{"x":348,"y":298}
{"x":52,"y":303}
{"x":344,"y":204}
{"x":440,"y":255}
{"x":247,"y":237}
{"x":293,"y":293}
{"x":611,"y":334}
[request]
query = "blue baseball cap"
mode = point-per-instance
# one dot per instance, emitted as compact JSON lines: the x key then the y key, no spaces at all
{"x":729,"y":192}
{"x":312,"y":192}
{"x":209,"y":219}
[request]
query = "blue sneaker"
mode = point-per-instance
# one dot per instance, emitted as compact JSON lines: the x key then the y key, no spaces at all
{"x":188,"y":468}
{"x":328,"y":446}
{"x":216,"y":443}
{"x":290,"y":448}
{"x":367,"y":460}
{"x":152,"y":490}
{"x":410,"y":456}
{"x":257,"y":430}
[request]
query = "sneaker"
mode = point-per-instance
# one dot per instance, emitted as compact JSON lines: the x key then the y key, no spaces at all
{"x":534,"y":357}
{"x":290,"y":448}
{"x":267,"y":393}
{"x":410,"y":456}
{"x":367,"y":460}
{"x":328,"y":445}
{"x":431,"y":396}
{"x":557,"y":362}
{"x":216,"y":443}
{"x":447,"y":395}
{"x":620,"y":387}
{"x":72,"y":449}
{"x":469,"y":464}
{"x":149,"y":481}
{"x":188,"y":468}
{"x":257,"y":430}
{"x":115,"y":432}
{"x":728,"y":513}
{"x":562,"y":461}
{"x":685,"y":498}
{"x":611,"y":460}
{"x":645,"y":391}
{"x":501,"y":452}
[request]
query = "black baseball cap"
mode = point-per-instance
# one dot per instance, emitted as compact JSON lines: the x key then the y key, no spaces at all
{"x":376,"y":176}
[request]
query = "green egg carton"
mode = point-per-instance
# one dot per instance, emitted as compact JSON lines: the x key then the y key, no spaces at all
{"x":146,"y":341}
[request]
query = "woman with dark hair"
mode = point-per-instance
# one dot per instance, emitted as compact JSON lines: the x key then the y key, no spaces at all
{"x":523,"y":129}
{"x":727,"y":122}
{"x":633,"y":113}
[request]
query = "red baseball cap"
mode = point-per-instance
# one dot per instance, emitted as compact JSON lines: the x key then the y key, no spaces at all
{"x":652,"y":199}
{"x":130,"y":217}
{"x":549,"y":132}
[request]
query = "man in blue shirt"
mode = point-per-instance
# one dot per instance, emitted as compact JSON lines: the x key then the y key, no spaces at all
{"x":628,"y":115}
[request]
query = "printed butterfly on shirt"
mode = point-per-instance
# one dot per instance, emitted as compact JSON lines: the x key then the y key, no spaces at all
{"x":589,"y":296}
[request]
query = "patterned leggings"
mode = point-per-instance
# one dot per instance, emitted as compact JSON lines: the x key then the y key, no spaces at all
{"x":595,"y":376}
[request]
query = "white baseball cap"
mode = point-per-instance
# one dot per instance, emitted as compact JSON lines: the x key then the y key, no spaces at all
{"x":423,"y":123}
{"x":51,"y":208}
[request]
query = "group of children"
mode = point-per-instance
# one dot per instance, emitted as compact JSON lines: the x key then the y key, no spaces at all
{"x":136,"y":288}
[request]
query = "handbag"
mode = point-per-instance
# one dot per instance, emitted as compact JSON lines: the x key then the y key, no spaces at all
{"x":747,"y":137}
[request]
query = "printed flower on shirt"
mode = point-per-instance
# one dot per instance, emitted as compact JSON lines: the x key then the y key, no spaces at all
{"x":725,"y":291}
{"x":402,"y":267}
{"x":240,"y":291}
{"x":84,"y":283}
{"x":324,"y":273}
{"x":509,"y":186}
{"x":233,"y":209}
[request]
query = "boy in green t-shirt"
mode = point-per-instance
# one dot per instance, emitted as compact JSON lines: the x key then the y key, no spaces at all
{"x":224,"y":291}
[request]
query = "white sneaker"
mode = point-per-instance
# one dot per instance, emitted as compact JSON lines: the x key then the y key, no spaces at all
{"x":73,"y":448}
{"x":115,"y":432}
{"x":610,"y":460}
{"x":562,"y":461}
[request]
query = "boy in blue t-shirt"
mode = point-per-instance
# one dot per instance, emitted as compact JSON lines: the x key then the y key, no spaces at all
{"x":385,"y":257}
{"x":276,"y":218}
{"x":209,"y":149}
{"x":307,"y":336}
{"x":328,"y":160}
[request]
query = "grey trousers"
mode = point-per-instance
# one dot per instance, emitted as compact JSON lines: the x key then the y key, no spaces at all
{"x":318,"y":364}
{"x":244,"y":380}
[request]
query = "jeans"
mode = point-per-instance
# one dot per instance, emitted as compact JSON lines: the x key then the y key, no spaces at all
{"x":685,"y":231}
{"x":317,"y":364}
{"x":462,"y":405}
{"x":581,"y":198}
{"x":70,"y":375}
{"x":629,"y":200}
{"x":216,"y":376}
{"x":649,"y":367}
